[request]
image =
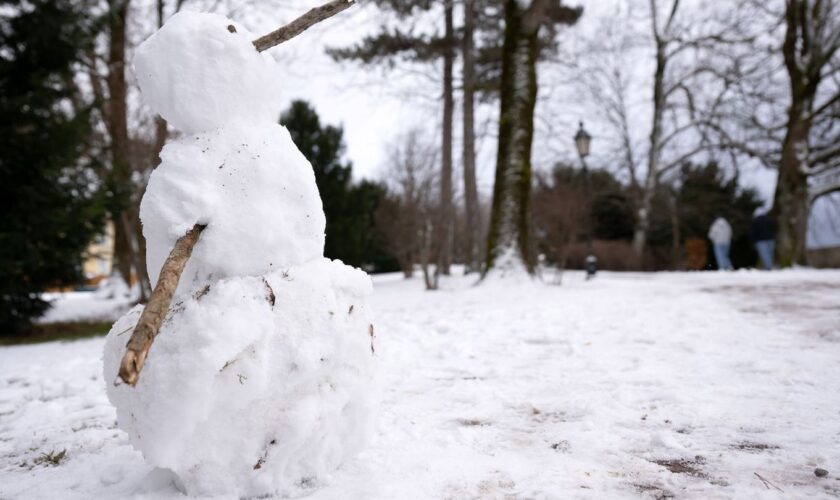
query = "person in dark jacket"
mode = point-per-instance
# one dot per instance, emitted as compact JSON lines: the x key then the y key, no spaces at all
{"x":763,"y":234}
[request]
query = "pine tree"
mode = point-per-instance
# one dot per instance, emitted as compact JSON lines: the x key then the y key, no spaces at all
{"x":50,"y":203}
{"x":349,"y":209}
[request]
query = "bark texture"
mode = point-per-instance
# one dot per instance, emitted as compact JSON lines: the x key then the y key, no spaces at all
{"x":805,"y":57}
{"x":129,"y":245}
{"x":473,"y":229}
{"x":119,"y":177}
{"x":509,"y":232}
{"x":654,"y":152}
{"x":155,"y":311}
{"x":301,"y":24}
{"x":446,"y":218}
{"x":790,"y":201}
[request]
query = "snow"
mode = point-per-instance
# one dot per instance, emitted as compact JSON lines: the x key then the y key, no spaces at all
{"x":83,"y":306}
{"x":199,"y":76}
{"x":251,"y":186}
{"x":246,"y":395}
{"x":111,"y":299}
{"x":262,"y":378}
{"x":521,"y":390}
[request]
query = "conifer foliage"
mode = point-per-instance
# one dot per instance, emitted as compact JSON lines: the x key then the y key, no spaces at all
{"x":50,"y":203}
{"x":349,"y":208}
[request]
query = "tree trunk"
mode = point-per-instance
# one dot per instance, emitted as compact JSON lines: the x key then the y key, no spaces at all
{"x":445,"y":220}
{"x":508,"y":239}
{"x":139,"y":252}
{"x":643,"y":217}
{"x":122,"y":249}
{"x":407,"y":267}
{"x":161,"y":132}
{"x":676,"y":237}
{"x":652,"y":177}
{"x":473,"y":229}
{"x":430,"y":278}
{"x":790,"y":202}
{"x":117,"y":125}
{"x":803,"y":62}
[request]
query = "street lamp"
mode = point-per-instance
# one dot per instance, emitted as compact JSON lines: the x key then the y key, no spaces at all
{"x":582,"y":140}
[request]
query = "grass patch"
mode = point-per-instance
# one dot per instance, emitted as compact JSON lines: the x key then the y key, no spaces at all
{"x":52,"y":458}
{"x":48,"y":332}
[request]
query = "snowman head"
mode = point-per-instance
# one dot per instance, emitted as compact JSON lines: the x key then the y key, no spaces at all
{"x":201,"y":72}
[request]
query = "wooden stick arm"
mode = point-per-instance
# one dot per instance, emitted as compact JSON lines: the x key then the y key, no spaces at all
{"x":301,"y":24}
{"x":153,"y":315}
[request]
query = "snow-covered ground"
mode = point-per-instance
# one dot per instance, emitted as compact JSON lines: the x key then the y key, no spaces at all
{"x":84,"y":306}
{"x":705,"y":385}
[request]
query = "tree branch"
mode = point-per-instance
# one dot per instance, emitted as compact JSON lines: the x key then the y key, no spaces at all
{"x":823,"y":190}
{"x":155,"y":311}
{"x":824,"y":155}
{"x":301,"y":24}
{"x":681,"y":159}
{"x":835,"y":99}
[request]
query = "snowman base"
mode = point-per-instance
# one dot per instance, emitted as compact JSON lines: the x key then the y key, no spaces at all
{"x":254,"y":385}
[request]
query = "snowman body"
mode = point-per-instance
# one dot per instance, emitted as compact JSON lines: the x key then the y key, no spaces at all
{"x":261,"y":379}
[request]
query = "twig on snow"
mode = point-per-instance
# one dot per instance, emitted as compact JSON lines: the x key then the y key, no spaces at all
{"x":767,"y":483}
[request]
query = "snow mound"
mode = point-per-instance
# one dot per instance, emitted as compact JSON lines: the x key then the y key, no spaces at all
{"x":199,"y":75}
{"x":262,"y":375}
{"x":253,"y":189}
{"x":254,"y":385}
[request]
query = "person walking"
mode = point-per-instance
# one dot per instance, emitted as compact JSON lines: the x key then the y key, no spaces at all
{"x":721,"y":235}
{"x":763,"y":234}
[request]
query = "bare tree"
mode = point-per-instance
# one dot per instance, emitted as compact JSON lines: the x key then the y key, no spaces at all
{"x":406,"y":42}
{"x":686,"y":93}
{"x":668,"y":43}
{"x":406,"y":218}
{"x":811,"y":143}
{"x":606,"y":73}
{"x":785,"y":109}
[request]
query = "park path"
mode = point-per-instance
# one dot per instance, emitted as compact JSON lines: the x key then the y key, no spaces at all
{"x":703,"y":385}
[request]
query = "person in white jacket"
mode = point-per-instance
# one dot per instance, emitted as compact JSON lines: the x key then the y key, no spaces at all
{"x":721,"y":235}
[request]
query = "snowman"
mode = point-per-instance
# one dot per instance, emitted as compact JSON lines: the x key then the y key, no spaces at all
{"x":261,"y":379}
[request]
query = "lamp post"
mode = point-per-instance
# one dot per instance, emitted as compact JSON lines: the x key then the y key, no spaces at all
{"x":582,"y":140}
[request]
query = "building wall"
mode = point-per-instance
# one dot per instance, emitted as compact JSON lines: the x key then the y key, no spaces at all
{"x":100,"y":255}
